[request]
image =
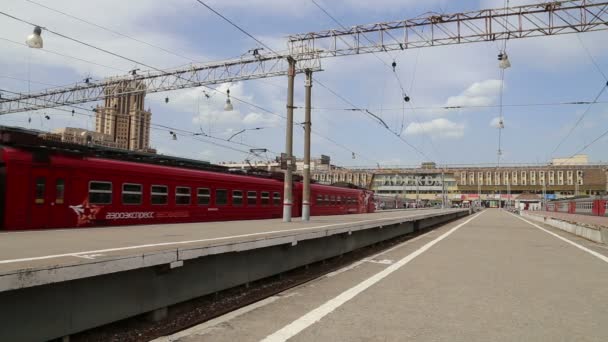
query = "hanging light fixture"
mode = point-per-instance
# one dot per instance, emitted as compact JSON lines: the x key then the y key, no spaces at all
{"x":503,"y":59}
{"x":228,"y":106}
{"x":34,"y":40}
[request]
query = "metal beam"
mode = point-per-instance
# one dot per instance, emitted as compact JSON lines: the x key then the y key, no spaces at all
{"x":544,"y":19}
{"x":157,"y":81}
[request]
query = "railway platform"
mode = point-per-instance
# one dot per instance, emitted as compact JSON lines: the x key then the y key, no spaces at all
{"x":594,"y":228}
{"x":65,"y":281}
{"x":494,"y":276}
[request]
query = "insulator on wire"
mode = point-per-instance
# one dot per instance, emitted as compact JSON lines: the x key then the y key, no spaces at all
{"x":394,"y":65}
{"x":166,"y":99}
{"x":406,"y":98}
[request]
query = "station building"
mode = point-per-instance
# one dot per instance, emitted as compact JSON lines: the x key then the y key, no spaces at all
{"x":561,"y":178}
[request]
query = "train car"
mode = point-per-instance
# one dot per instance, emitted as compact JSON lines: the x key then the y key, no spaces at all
{"x":43,"y":189}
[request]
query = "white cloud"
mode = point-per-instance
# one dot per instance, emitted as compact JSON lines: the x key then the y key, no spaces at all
{"x":482,"y":93}
{"x":437,"y":128}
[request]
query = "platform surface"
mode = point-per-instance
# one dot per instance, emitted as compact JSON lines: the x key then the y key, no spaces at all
{"x":147,"y":245}
{"x":492,"y":277}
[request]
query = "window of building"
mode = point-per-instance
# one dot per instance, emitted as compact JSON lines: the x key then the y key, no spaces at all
{"x":100,"y":192}
{"x":131,"y":193}
{"x":159,"y":194}
{"x":551,"y":178}
{"x":488,"y":178}
{"x":265,"y":198}
{"x":221,"y":197}
{"x":59,"y":191}
{"x":570,"y":177}
{"x":514,"y":178}
{"x":40,"y":190}
{"x":182,"y":195}
{"x":560,"y":177}
{"x":203,"y":196}
{"x":252,"y":198}
{"x":532,"y":177}
{"x":276,"y":198}
{"x":496,"y":178}
{"x":463,"y":178}
{"x":237,"y":198}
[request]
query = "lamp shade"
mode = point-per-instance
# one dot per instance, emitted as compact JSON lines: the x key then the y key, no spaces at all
{"x":34,"y":40}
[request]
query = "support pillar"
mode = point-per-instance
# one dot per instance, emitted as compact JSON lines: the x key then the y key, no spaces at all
{"x":306,"y":171}
{"x":288,"y":184}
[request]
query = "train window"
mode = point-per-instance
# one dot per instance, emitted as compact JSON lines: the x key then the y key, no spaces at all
{"x":59,"y":191}
{"x":202,"y":196}
{"x":182,"y":195}
{"x":252,"y":198}
{"x":237,"y":198}
{"x":319,"y":199}
{"x":131,"y":193}
{"x":221,"y":197}
{"x":159,"y":194}
{"x":332,"y":200}
{"x":265,"y":198}
{"x":339,"y":200}
{"x":100,"y":192}
{"x":40,"y":190}
{"x":326,"y":200}
{"x":276,"y":198}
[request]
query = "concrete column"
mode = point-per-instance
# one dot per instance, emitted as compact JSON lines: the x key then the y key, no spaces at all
{"x":288,"y":184}
{"x":306,"y":171}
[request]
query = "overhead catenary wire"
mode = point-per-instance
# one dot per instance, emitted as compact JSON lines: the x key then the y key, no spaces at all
{"x":112,"y":31}
{"x":579,"y":120}
{"x":271,"y":50}
{"x":65,"y":55}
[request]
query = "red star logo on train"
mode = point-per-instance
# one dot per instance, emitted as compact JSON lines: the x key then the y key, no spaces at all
{"x":86,"y":212}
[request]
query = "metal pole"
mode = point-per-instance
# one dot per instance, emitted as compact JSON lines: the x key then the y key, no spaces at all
{"x":306,"y":172}
{"x":288,"y":195}
{"x":442,"y":190}
{"x":417,"y":192}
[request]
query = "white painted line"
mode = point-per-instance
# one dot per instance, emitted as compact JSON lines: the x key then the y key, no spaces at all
{"x":206,"y":327}
{"x":317,"y":314}
{"x":594,"y":253}
{"x":177,"y":243}
{"x":358,"y":263}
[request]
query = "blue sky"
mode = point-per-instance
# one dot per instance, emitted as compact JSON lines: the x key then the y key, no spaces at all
{"x":545,"y":70}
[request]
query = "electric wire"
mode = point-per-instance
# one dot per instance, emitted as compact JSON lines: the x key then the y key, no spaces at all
{"x":112,"y":31}
{"x":580,"y":119}
{"x":65,"y":56}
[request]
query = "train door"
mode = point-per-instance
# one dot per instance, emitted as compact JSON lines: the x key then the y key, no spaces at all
{"x":49,"y":208}
{"x":39,"y":198}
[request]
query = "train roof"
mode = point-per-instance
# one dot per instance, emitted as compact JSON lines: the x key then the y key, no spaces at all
{"x":29,"y":140}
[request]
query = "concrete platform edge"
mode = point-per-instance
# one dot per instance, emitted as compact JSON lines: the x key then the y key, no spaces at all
{"x":149,"y":283}
{"x":599,"y":234}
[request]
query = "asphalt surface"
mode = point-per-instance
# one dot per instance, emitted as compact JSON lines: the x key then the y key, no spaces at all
{"x":495,"y":278}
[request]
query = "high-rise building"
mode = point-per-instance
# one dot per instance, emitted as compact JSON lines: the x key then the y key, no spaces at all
{"x":124,"y":118}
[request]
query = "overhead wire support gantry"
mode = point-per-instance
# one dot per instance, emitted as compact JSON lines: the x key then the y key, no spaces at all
{"x":195,"y":75}
{"x":534,"y":20}
{"x":539,"y":19}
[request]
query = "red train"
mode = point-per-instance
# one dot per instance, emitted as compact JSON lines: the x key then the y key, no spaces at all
{"x":44,"y":188}
{"x":581,"y":206}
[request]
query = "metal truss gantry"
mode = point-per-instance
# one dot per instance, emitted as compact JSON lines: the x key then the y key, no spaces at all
{"x":540,"y":19}
{"x":247,"y":68}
